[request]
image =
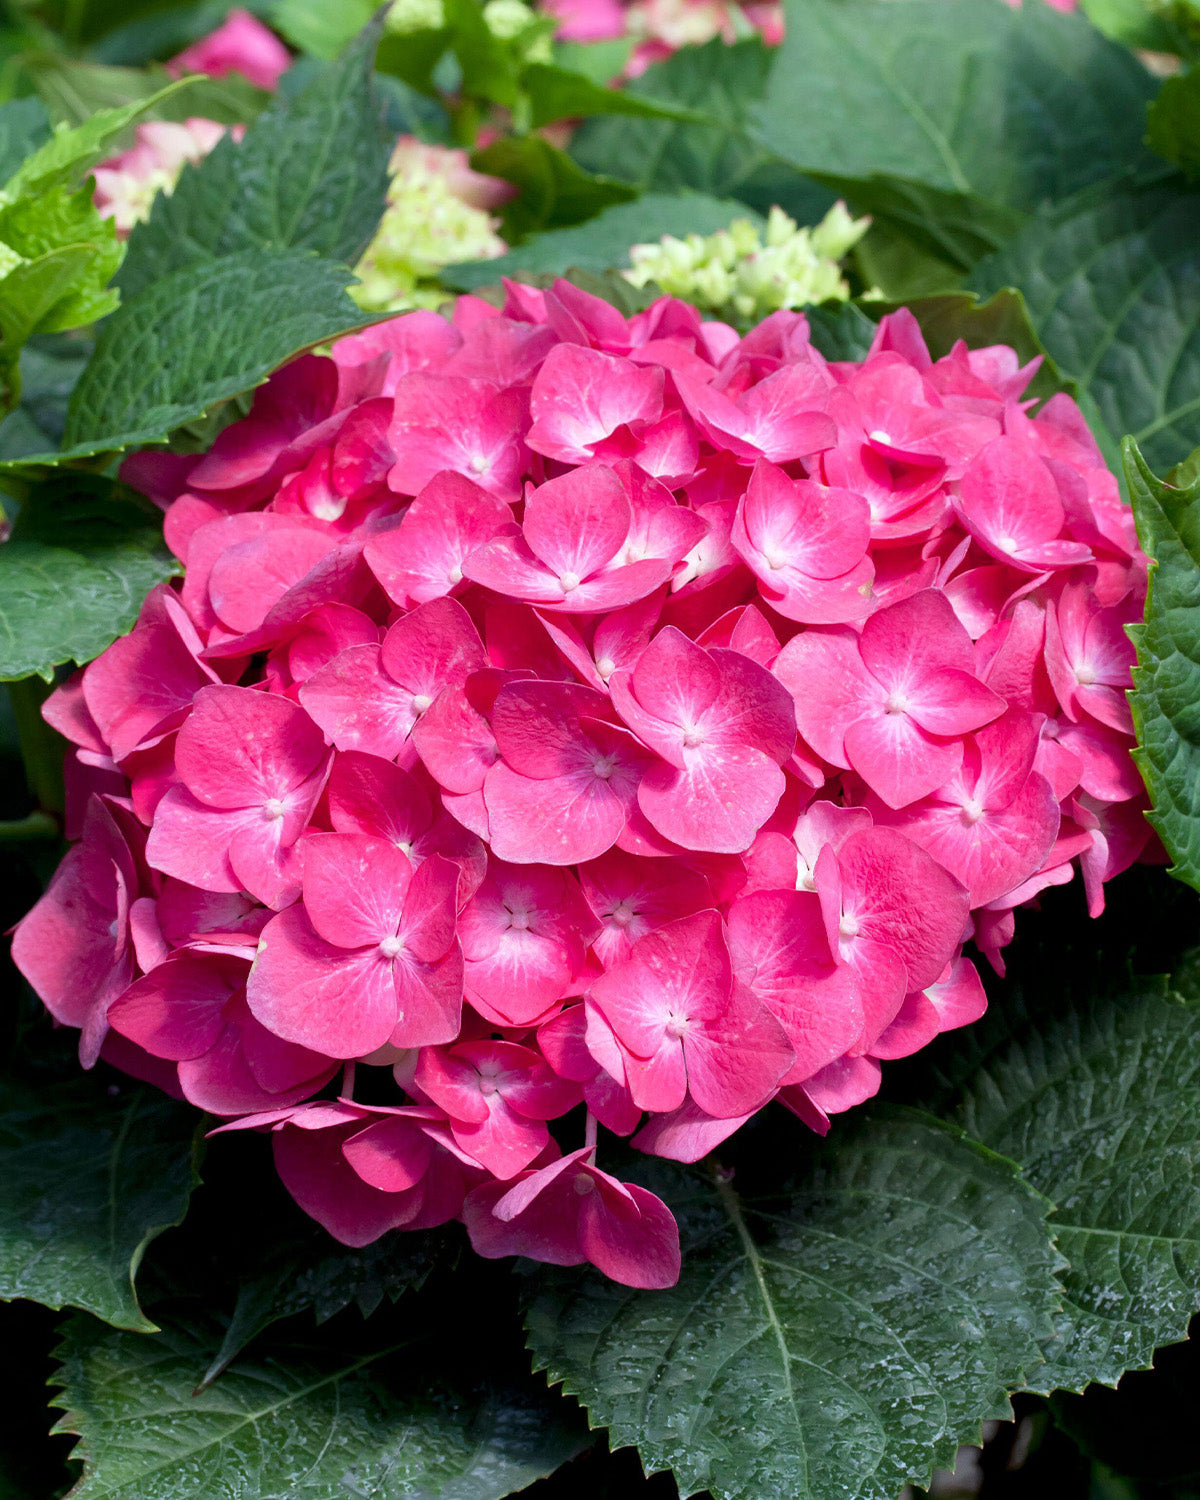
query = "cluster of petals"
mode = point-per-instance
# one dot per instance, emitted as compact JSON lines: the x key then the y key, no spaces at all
{"x":568,"y":721}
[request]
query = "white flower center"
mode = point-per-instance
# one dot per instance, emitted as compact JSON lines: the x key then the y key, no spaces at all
{"x":622,"y":914}
{"x":677,"y":1026}
{"x":480,"y":465}
{"x":391,"y":947}
{"x":972,"y":811}
{"x":606,"y":667}
{"x":693,"y":735}
{"x":568,"y":582}
{"x":583,"y":1184}
{"x":1085,"y":676}
{"x":896,"y":703}
{"x":421,"y":702}
{"x":520,"y":919}
{"x":603,"y":767}
{"x":274,"y":810}
{"x":848,"y":926}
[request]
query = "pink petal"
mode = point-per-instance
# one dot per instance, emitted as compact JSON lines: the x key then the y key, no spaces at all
{"x":324,"y":998}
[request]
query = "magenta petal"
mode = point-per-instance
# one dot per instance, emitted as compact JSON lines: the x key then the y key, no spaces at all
{"x":718,"y":803}
{"x":320,"y":997}
{"x":897,"y":759}
{"x":358,"y":705}
{"x":633,"y":1242}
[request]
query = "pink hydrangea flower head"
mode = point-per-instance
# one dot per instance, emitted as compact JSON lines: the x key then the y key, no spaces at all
{"x":241,"y":44}
{"x":570,"y":724}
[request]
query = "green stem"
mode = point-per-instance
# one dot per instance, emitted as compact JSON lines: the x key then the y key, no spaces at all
{"x":42,"y":748}
{"x":34,"y":826}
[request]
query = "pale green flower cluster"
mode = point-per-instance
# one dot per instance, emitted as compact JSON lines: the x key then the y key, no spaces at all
{"x":406,"y":16}
{"x":745,"y":272}
{"x":427,"y":225}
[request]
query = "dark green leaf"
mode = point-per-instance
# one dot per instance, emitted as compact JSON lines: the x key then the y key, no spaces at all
{"x":49,"y":368}
{"x":603,"y":243}
{"x":1175,"y":121}
{"x":89,"y":1182}
{"x":975,"y":100}
{"x":836,"y":1338}
{"x":1166,"y":692}
{"x":310,"y":174}
{"x":718,"y":158}
{"x":310,"y":1274}
{"x":553,"y":191}
{"x":1113,"y":290}
{"x":304,"y":1422}
{"x":24,"y":125}
{"x":1091,"y":1091}
{"x":840,"y":330}
{"x":74,"y":573}
{"x":200,"y":335}
{"x":555,"y":93}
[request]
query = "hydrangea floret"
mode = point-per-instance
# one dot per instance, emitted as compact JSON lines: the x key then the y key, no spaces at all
{"x":439,"y":212}
{"x":587,"y":726}
{"x":747,"y":271}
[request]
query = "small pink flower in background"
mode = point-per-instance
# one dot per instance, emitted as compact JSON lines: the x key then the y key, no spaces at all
{"x":241,"y":44}
{"x":127,"y":184}
{"x":573,"y":721}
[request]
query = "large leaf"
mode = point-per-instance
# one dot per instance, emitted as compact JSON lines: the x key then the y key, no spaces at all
{"x":89,"y":1181}
{"x":1166,"y":693}
{"x":1091,"y":1089}
{"x":975,"y":100}
{"x":1113,"y":289}
{"x":310,"y":174}
{"x":73,"y":575}
{"x":603,"y":243}
{"x":311,"y":1274}
{"x":838,"y":1335}
{"x":200,"y":335}
{"x":303,"y":1422}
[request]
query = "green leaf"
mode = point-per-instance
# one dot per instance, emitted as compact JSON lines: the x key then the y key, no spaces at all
{"x":1174,"y":121}
{"x":1113,"y":290}
{"x":73,"y":91}
{"x":1091,"y":1091}
{"x":553,"y":191}
{"x":74,"y":573}
{"x":1166,"y":692}
{"x":599,"y":61}
{"x":840,"y":330}
{"x":718,"y":158}
{"x":89,"y":1182}
{"x":62,"y":161}
{"x":309,"y":1274}
{"x":200,"y":335}
{"x":320,"y":29}
{"x":603,"y":243}
{"x":838,"y":1337}
{"x":24,"y":125}
{"x":306,"y":1422}
{"x":555,"y":93}
{"x":310,"y":174}
{"x":1133,"y":23}
{"x":49,"y":368}
{"x":974,"y":100}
